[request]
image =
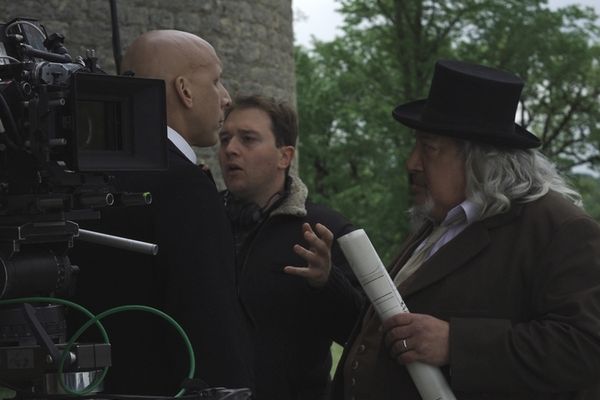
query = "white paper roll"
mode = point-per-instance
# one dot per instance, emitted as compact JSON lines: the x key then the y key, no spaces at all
{"x":386,"y":300}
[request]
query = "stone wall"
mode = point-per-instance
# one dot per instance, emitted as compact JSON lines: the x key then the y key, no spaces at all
{"x":254,"y":38}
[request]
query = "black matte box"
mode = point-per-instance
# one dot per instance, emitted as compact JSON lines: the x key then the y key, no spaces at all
{"x":119,"y":123}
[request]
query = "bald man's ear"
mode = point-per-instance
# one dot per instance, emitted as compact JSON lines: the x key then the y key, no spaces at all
{"x":183,"y":91}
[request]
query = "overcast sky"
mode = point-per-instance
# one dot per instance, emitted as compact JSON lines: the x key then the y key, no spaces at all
{"x":319,"y":18}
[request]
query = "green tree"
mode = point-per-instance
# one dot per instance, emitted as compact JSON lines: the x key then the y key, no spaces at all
{"x":558,"y":55}
{"x":349,"y":144}
{"x":589,"y":187}
{"x":352,"y":151}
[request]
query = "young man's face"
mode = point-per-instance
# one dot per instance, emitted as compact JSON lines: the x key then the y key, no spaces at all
{"x":253,"y":166}
{"x":436,"y":170}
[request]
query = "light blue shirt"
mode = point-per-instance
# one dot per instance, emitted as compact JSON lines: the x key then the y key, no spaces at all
{"x":181,"y":144}
{"x":458,"y":219}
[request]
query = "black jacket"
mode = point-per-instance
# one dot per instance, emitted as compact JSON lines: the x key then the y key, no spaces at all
{"x":192,"y":279}
{"x":295,"y":323}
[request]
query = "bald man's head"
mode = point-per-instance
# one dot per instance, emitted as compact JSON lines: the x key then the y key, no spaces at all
{"x":164,"y":54}
{"x":191,"y":70}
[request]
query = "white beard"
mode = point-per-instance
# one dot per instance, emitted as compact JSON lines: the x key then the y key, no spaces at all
{"x":420,"y":214}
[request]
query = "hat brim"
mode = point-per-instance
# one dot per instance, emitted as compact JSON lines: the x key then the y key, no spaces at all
{"x":410,"y":114}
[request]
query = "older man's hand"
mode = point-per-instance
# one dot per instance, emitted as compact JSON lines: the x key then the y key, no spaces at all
{"x":417,"y":337}
{"x":317,"y":256}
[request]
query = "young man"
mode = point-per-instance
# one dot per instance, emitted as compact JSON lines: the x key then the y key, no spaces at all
{"x":502,"y":274}
{"x":296,"y":319}
{"x":193,"y":277}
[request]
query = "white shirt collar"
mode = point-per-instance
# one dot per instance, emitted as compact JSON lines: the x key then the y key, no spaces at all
{"x":456,"y":221}
{"x":467,"y":208}
{"x":472,"y":210}
{"x":181,"y":144}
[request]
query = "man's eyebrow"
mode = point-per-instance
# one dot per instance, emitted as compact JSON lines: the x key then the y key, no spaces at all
{"x":246,"y":131}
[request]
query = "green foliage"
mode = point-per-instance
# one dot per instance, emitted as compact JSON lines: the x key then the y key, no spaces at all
{"x":349,"y":144}
{"x":589,"y":187}
{"x":353,"y":152}
{"x":336,"y":354}
{"x":558,"y":54}
{"x":6,"y":393}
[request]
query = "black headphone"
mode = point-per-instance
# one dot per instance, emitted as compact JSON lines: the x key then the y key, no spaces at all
{"x":246,"y":213}
{"x":242,"y":213}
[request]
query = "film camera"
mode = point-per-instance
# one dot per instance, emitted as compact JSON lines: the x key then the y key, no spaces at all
{"x":64,"y":125}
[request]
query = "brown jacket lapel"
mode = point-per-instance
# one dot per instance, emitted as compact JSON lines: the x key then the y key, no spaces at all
{"x":451,"y":256}
{"x":447,"y":259}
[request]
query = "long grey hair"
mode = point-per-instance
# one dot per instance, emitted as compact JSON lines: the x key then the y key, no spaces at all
{"x":496,"y":177}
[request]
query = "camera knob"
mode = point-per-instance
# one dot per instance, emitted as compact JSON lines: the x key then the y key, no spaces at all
{"x":26,"y":88}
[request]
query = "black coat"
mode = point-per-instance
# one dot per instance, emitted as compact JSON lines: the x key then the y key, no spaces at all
{"x":192,"y":279}
{"x":295,"y":323}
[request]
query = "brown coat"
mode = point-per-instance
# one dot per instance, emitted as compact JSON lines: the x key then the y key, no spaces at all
{"x":521,"y":291}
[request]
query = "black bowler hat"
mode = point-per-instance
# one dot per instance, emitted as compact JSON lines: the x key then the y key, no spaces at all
{"x":470,"y":102}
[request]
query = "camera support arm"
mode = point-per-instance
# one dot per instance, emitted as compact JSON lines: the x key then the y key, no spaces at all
{"x":40,"y":333}
{"x":118,"y":242}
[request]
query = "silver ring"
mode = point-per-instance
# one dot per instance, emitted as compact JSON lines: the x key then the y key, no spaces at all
{"x":404,"y":346}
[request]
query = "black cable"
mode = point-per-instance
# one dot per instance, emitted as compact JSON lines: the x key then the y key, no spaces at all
{"x":116,"y":36}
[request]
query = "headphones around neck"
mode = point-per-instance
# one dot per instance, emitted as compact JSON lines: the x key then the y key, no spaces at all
{"x":246,"y":213}
{"x":242,"y":213}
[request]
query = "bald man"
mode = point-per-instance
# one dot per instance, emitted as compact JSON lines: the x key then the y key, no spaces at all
{"x":192,"y":278}
{"x":196,"y":98}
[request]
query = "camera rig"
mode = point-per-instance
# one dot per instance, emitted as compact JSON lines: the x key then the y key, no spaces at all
{"x":65,"y":125}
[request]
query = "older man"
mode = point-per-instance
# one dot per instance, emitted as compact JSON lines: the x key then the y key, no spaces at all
{"x":192,"y":278}
{"x":502,"y":273}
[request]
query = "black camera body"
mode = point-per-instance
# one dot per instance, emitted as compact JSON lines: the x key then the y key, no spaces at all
{"x":63,"y":118}
{"x":65,"y":126}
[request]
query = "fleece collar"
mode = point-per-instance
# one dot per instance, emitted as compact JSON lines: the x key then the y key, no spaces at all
{"x":295,"y":202}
